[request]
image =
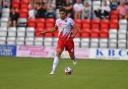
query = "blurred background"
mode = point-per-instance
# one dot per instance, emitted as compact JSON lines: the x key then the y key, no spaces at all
{"x":101,"y":23}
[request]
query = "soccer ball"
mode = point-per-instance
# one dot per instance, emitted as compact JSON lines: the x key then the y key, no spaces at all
{"x":68,"y":70}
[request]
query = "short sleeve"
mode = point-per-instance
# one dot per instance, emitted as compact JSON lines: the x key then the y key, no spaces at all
{"x":57,"y":22}
{"x":72,"y":22}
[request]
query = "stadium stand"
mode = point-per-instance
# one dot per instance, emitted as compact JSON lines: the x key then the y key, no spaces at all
{"x":93,"y":32}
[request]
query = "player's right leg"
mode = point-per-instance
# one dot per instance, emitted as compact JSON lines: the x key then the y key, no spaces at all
{"x":59,"y":50}
{"x":56,"y":60}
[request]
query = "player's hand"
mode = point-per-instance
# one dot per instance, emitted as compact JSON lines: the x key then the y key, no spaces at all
{"x":73,"y":36}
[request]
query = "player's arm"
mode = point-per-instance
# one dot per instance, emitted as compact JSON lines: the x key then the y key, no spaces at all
{"x":50,"y":30}
{"x":76,"y":30}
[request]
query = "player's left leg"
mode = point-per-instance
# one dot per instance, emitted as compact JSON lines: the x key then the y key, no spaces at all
{"x":72,"y":56}
{"x":70,"y":49}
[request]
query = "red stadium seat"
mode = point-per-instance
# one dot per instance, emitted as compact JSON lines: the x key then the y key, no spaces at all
{"x":31,"y":22}
{"x":24,"y":13}
{"x":15,"y":0}
{"x":39,"y":29}
{"x":94,"y":35}
{"x":40,"y":23}
{"x":41,"y":20}
{"x":103,"y":34}
{"x":86,"y":24}
{"x":86,"y":30}
{"x":85,"y":35}
{"x":104,"y":30}
{"x":95,"y":23}
{"x":25,"y":1}
{"x":50,"y":22}
{"x":48,"y":35}
{"x":49,"y":25}
{"x":78,"y":23}
{"x":15,"y":4}
{"x":38,"y":34}
{"x":114,"y":17}
{"x":55,"y":34}
{"x":104,"y":24}
{"x":17,"y":10}
{"x":114,"y":24}
{"x":114,"y":14}
{"x":95,"y":30}
{"x":24,"y":5}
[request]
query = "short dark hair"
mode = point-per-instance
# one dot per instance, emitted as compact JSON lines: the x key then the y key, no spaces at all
{"x":62,"y":9}
{"x":42,"y":3}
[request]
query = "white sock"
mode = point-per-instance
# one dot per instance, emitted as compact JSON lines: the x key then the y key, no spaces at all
{"x":55,"y":63}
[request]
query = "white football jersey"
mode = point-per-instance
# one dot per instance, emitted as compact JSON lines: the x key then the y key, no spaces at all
{"x":64,"y":27}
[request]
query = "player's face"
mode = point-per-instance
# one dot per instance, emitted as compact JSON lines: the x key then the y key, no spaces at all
{"x":62,"y":14}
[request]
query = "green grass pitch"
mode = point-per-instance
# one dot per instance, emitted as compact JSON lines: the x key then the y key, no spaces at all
{"x":33,"y":73}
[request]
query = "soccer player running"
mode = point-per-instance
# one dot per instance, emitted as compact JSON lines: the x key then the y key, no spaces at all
{"x":65,"y":37}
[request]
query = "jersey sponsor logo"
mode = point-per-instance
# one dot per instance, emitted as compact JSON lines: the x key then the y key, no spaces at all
{"x":60,"y":25}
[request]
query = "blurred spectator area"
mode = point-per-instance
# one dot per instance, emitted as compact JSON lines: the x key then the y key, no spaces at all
{"x":101,"y":23}
{"x":76,"y":9}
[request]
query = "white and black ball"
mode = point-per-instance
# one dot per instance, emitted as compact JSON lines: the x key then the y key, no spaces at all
{"x":68,"y":70}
